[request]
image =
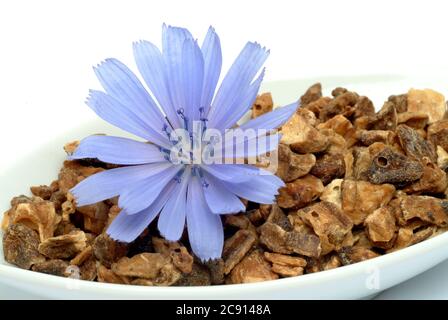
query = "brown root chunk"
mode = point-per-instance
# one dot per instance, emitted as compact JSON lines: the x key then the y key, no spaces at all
{"x":37,"y":214}
{"x":304,"y":243}
{"x":300,"y":192}
{"x":416,"y":120}
{"x":301,"y":136}
{"x":433,"y":180}
{"x":56,"y":267}
{"x":414,"y":145}
{"x":263,"y":104}
{"x":380,"y":225}
{"x":361,"y":198}
{"x":438,"y":133}
{"x":274,"y":238}
{"x":428,"y":209}
{"x":144,"y":265}
{"x":329,"y":167}
{"x":350,"y":255}
{"x":329,"y":224}
{"x":389,"y":166}
{"x":20,"y":245}
{"x":253,"y":268}
{"x":179,"y":255}
{"x":65,"y":246}
{"x":107,"y":250}
{"x":291,"y":165}
{"x":312,"y":94}
{"x":236,"y":247}
{"x":385,"y":119}
{"x":332,"y":192}
{"x":428,"y":101}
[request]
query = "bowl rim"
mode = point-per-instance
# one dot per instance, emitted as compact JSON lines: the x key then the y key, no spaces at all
{"x":33,"y":277}
{"x":16,"y":274}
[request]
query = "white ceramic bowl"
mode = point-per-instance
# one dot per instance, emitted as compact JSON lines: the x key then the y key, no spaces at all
{"x":356,"y":281}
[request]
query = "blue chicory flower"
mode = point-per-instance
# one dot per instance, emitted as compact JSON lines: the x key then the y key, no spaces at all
{"x":182,"y":80}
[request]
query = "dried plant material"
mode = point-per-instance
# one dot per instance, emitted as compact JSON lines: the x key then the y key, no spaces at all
{"x":416,"y":120}
{"x":263,"y":104}
{"x":70,"y":147}
{"x":236,"y":247}
{"x":65,"y":246}
{"x":286,"y":271}
{"x":43,"y":192}
{"x":342,"y":104}
{"x":428,"y":101}
{"x":292,"y":166}
{"x":253,"y":268}
{"x":380,"y":225}
{"x":400,"y":102}
{"x":83,"y":256}
{"x":87,"y":269}
{"x":144,"y":265}
{"x":442,"y":158}
{"x":107,"y":250}
{"x":408,"y":237}
{"x":360,"y":239}
{"x":336,"y":143}
{"x":329,"y":167}
{"x":312,"y":94}
{"x":20,"y":245}
{"x":68,"y":207}
{"x":274,"y":238}
{"x":368,"y":137}
{"x":300,"y":192}
{"x":199,"y":276}
{"x":357,"y":166}
{"x":364,"y":107}
{"x":414,"y":145}
{"x":54,"y":267}
{"x":318,"y":105}
{"x":242,"y":221}
{"x":6,"y":220}
{"x":142,"y":282}
{"x":72,"y":173}
{"x":428,"y":209}
{"x":438,"y":134}
{"x":167,"y":276}
{"x":304,"y":243}
{"x":277,"y":216}
{"x":106,"y":275}
{"x":389,"y":166}
{"x":332,"y":262}
{"x":95,"y":216}
{"x":39,"y":215}
{"x":179,"y":255}
{"x":284,"y":260}
{"x":333,"y":193}
{"x":385,"y":119}
{"x":301,"y":136}
{"x":114,"y":210}
{"x":329,"y":224}
{"x":255,"y":217}
{"x":433,"y":180}
{"x":356,"y":186}
{"x":216,"y":268}
{"x":361,"y":198}
{"x":350,"y":255}
{"x":339,"y":124}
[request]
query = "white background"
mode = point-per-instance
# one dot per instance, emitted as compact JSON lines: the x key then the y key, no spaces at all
{"x":47,"y":48}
